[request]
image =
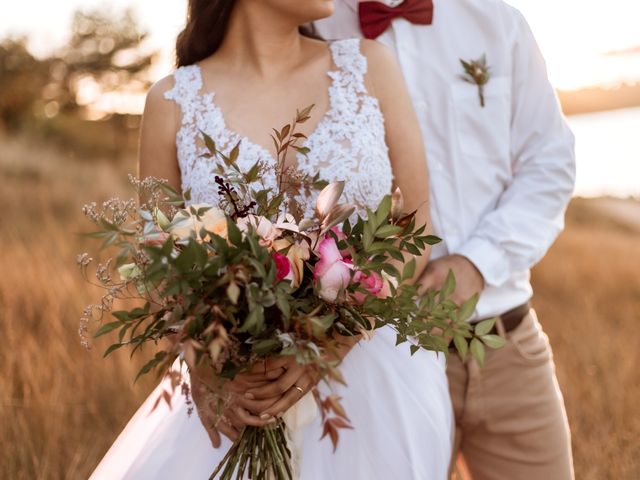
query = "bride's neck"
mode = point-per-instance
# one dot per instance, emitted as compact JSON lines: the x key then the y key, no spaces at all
{"x":260,"y":41}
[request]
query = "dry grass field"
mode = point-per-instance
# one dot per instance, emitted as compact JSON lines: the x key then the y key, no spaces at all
{"x":60,"y":406}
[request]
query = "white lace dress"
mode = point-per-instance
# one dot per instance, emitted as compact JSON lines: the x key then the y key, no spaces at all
{"x":398,"y":404}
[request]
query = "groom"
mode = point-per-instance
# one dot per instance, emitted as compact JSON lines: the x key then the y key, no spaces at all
{"x":502,"y":167}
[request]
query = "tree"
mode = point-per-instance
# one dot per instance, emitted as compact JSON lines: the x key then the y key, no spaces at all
{"x":22,"y":81}
{"x":103,"y":54}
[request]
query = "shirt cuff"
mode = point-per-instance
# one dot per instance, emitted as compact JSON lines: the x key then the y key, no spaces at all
{"x":488,"y":258}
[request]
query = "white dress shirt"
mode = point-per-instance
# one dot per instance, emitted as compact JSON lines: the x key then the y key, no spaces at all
{"x":502,"y":175}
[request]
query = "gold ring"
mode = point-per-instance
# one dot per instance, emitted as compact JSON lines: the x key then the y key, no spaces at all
{"x":299,"y":389}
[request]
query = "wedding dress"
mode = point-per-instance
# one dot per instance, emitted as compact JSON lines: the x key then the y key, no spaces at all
{"x":398,"y":404}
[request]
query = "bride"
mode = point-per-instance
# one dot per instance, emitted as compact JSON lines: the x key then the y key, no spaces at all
{"x":245,"y":66}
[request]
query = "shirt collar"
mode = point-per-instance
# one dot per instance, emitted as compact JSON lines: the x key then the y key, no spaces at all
{"x":353,"y":4}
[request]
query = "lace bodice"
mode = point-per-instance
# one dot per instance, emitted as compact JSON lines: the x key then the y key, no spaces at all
{"x":348,"y":144}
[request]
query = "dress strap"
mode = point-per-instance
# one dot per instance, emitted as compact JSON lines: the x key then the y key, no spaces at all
{"x":185,"y":91}
{"x":351,"y":63}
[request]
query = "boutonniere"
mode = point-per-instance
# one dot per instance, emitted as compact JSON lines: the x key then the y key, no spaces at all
{"x":477,"y":72}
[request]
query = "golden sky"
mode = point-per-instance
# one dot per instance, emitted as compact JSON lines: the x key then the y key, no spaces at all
{"x":576,"y":36}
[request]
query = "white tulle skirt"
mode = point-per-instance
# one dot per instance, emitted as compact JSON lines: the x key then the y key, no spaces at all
{"x":398,"y":405}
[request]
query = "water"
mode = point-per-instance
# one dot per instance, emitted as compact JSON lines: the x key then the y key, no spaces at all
{"x":608,"y":153}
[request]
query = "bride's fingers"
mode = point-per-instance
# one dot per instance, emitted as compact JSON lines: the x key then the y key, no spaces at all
{"x":277,"y":387}
{"x":228,"y":431}
{"x":267,"y":376}
{"x":256,"y":407}
{"x":214,"y":436}
{"x":268,"y":364}
{"x":252,"y":420}
{"x":291,"y":397}
{"x":239,"y":385}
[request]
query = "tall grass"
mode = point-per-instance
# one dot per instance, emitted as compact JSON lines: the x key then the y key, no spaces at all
{"x":61,"y":407}
{"x":588,"y":300}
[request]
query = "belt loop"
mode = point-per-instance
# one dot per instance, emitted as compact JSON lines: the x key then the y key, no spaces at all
{"x":500,"y":328}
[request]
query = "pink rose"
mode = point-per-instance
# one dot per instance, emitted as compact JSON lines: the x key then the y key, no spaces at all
{"x":374,"y":283}
{"x":332,"y":273}
{"x":283,"y":266}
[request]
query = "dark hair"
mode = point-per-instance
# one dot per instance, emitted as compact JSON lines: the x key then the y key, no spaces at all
{"x":207,"y":22}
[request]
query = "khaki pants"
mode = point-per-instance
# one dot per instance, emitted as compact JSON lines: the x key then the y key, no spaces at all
{"x":510,"y":417}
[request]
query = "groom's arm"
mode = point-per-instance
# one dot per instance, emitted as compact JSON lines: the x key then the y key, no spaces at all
{"x":530,"y":213}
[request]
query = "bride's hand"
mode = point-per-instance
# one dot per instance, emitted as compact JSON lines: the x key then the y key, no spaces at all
{"x":286,"y":382}
{"x":234,"y":416}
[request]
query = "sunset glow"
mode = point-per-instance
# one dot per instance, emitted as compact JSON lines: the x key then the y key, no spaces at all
{"x":579,"y":38}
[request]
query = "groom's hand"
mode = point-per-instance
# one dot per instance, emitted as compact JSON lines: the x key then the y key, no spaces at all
{"x":469,"y":280}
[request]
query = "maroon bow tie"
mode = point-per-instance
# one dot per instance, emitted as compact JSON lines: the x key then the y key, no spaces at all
{"x":375,"y":17}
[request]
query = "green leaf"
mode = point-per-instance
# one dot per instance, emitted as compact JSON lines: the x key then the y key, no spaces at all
{"x":461,"y":345}
{"x":254,"y":322}
{"x":414,"y":349}
{"x":160,"y":356}
{"x":468,"y":307}
{"x":283,"y":305}
{"x":432,"y":240}
{"x":303,"y":150}
{"x":322,"y":324}
{"x":235,"y":153}
{"x":449,"y":286}
{"x":477,"y":351}
{"x":112,"y":349}
{"x":266,"y":346}
{"x":109,"y":327}
{"x":484,"y":327}
{"x":493,"y":341}
{"x":382,"y":213}
{"x":409,"y":269}
{"x":233,"y":232}
{"x":122,"y":315}
{"x":252,"y":174}
{"x":388,"y":231}
{"x":209,"y":143}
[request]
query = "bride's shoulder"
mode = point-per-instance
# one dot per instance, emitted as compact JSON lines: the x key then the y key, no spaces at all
{"x":161,"y":87}
{"x":377,"y":54}
{"x":382,"y":66}
{"x":157,"y":103}
{"x":175,"y":86}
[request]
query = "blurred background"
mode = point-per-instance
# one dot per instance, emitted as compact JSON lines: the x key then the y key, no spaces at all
{"x":72,"y":80}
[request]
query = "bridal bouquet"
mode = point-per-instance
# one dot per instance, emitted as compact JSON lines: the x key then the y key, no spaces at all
{"x":232,"y":284}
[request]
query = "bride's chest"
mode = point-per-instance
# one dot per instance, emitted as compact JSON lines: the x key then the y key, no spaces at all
{"x":344,"y":146}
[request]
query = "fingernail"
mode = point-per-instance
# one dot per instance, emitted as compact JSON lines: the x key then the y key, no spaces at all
{"x":249,"y":396}
{"x":273,"y":420}
{"x":265,"y":416}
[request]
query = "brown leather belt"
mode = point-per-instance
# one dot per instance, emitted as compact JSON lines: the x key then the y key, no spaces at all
{"x":513,"y":318}
{"x":510,"y":320}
